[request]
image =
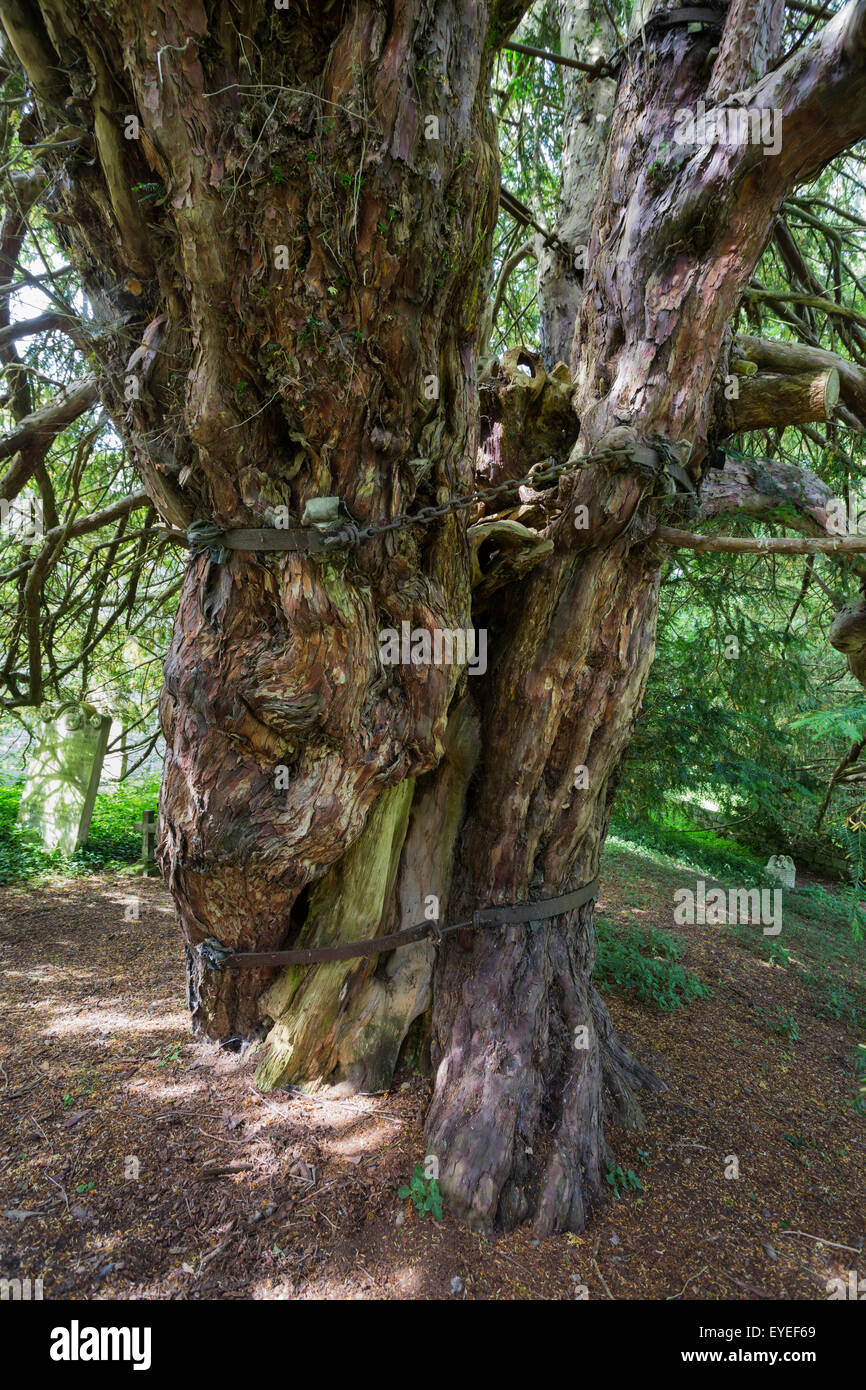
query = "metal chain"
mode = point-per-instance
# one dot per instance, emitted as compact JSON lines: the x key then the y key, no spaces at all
{"x":537,"y":475}
{"x":204,"y":535}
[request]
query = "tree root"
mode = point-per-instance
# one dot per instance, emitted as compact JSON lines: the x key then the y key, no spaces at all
{"x":527,"y":1069}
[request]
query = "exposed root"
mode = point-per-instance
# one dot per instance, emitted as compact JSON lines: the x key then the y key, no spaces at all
{"x":528,"y":1067}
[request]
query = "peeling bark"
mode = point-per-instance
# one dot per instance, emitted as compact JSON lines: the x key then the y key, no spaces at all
{"x":313,"y":259}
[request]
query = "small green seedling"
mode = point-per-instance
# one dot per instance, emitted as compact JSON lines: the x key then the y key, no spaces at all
{"x":622,"y":1181}
{"x":424,"y":1193}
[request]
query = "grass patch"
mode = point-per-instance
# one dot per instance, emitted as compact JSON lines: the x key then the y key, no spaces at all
{"x":698,"y":849}
{"x":644,"y":962}
{"x":112,"y":843}
{"x":819,"y":941}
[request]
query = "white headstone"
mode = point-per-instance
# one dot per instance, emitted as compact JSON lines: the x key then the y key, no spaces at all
{"x":63,"y":776}
{"x":781,"y":867}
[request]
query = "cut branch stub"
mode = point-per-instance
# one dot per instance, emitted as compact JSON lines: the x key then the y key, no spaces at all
{"x":771,"y":355}
{"x":513,"y":549}
{"x":767,"y":400}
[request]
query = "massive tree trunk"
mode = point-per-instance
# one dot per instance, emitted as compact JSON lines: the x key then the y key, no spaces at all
{"x":289,"y":260}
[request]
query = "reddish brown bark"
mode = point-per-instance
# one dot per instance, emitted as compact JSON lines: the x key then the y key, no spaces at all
{"x":515,"y":1119}
{"x":313,"y":260}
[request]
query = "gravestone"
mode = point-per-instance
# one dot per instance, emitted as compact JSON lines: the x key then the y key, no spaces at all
{"x":781,"y":867}
{"x":147,"y":826}
{"x":63,"y":776}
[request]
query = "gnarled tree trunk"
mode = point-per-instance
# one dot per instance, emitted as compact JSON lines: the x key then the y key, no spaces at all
{"x":299,"y":301}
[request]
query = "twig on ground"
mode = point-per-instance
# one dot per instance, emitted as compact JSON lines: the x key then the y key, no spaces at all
{"x":833,"y":1244}
{"x":672,"y":1296}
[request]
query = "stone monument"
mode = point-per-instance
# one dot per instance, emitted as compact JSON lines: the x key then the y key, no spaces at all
{"x":63,"y":775}
{"x":782,"y":868}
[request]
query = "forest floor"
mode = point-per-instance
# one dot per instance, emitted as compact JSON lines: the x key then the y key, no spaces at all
{"x":136,"y":1163}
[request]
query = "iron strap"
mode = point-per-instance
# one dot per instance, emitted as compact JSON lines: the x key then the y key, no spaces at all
{"x":253,"y":538}
{"x":691,"y":14}
{"x":267,"y":538}
{"x":535,"y":912}
{"x":204,"y":537}
{"x":219,"y":957}
{"x":672,"y":19}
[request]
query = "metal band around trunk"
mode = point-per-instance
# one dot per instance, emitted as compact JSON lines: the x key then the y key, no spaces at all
{"x":218,"y":957}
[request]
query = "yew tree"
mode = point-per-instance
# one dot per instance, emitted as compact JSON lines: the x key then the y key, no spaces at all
{"x":283,"y":219}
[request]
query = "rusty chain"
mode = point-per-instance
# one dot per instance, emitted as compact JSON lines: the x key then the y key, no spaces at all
{"x":537,"y":476}
{"x":650,"y":459}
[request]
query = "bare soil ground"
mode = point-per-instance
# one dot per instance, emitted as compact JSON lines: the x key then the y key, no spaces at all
{"x":136,"y":1163}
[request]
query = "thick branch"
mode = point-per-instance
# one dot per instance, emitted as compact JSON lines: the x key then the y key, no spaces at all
{"x":34,"y":50}
{"x":772,"y":356}
{"x":750,"y":42}
{"x":821,"y":94}
{"x":758,"y":545}
{"x":758,"y":487}
{"x":779,"y":400}
{"x":848,"y":635}
{"x":43,"y":323}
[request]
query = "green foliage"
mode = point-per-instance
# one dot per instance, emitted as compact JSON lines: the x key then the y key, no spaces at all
{"x":780,"y":1021}
{"x":21,"y":852}
{"x":424,"y":1194}
{"x":621,"y":1180}
{"x":112,"y":842}
{"x":701,"y":850}
{"x":644,"y":963}
{"x":832,"y":1001}
{"x":745,"y":718}
{"x":860,"y":1100}
{"x":796,"y":1140}
{"x":112,"y":838}
{"x":528,"y":100}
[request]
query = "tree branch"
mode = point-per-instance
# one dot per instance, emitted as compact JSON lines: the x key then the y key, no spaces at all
{"x":43,"y":323}
{"x":780,"y":400}
{"x":812,"y":301}
{"x":762,"y":545}
{"x":94,"y":521}
{"x":751,"y":41}
{"x":35,"y":433}
{"x":771,"y":355}
{"x":821,"y":94}
{"x":758,"y":487}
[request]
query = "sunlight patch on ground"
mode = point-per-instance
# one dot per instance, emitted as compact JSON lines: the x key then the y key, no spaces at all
{"x":653,"y":856}
{"x":158,"y":1089}
{"x":363,"y":1145}
{"x":111,"y":1020}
